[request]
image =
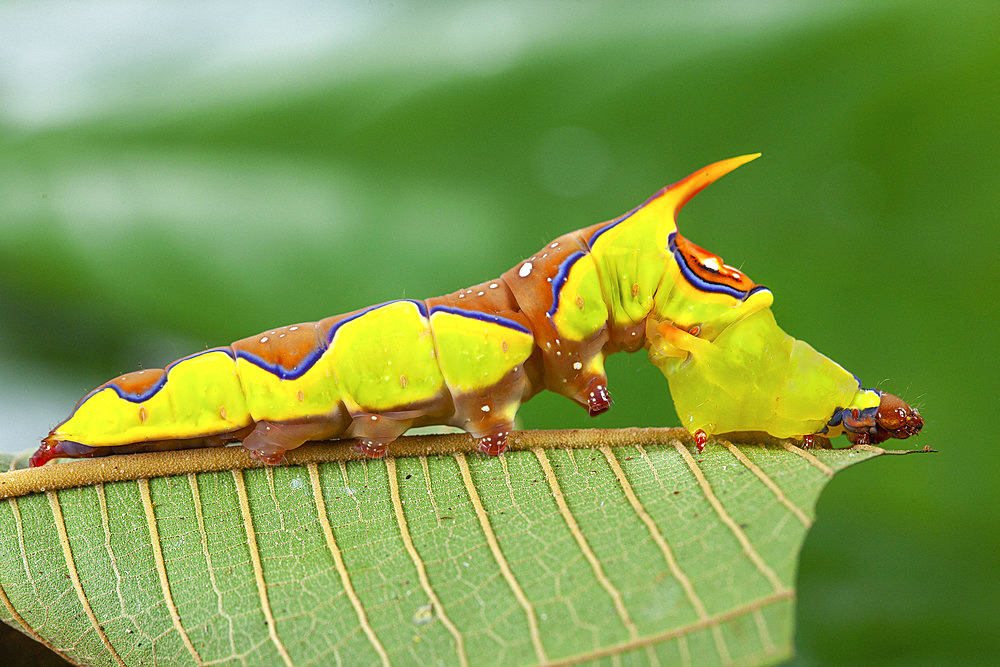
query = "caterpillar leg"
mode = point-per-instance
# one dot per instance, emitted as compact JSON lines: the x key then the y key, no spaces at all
{"x":370,"y":448}
{"x":700,"y":440}
{"x":494,"y":441}
{"x":375,"y":433}
{"x":598,"y":396}
{"x":269,"y":441}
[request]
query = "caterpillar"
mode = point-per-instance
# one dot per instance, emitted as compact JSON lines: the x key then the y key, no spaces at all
{"x":470,"y":358}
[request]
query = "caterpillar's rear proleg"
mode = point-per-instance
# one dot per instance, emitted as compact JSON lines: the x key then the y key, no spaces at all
{"x":494,"y":442}
{"x":269,"y":441}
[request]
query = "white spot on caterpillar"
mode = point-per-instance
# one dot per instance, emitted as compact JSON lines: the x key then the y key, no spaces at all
{"x":545,"y":255}
{"x":494,"y":286}
{"x":486,"y":408}
{"x":374,"y":418}
{"x":577,"y":366}
{"x":555,"y":245}
{"x":293,"y":328}
{"x":281,"y":335}
{"x":548,"y":280}
{"x":558,"y":353}
{"x":461,"y":296}
{"x":525,"y":269}
{"x":711,"y":263}
{"x":263,"y":339}
{"x":480,"y":293}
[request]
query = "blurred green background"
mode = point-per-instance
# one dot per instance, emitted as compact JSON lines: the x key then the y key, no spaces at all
{"x":177,"y":175}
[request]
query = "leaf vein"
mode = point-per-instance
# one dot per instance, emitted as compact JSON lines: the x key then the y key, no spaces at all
{"x":418,"y":562}
{"x":675,"y":633}
{"x":585,"y":548}
{"x":661,"y":542}
{"x":738,"y":533}
{"x":770,"y":484}
{"x":161,"y":568}
{"x":258,"y":569}
{"x":75,"y":576}
{"x":813,"y":461}
{"x":491,"y":540}
{"x":338,"y":560}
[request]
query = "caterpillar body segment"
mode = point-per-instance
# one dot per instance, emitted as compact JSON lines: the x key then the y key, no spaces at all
{"x":470,"y":358}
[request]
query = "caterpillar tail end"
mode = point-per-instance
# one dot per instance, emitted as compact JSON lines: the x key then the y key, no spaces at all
{"x":57,"y":449}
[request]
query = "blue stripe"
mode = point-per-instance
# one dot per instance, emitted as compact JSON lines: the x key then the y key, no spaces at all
{"x":623,"y":218}
{"x":700,"y":283}
{"x":560,"y":279}
{"x":613,"y":223}
{"x":279,"y":370}
{"x":146,"y":395}
{"x":333,"y":330}
{"x":484,"y":317}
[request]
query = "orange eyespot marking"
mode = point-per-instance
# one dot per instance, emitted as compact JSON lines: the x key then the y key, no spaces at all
{"x":301,"y":396}
{"x":222,"y":412}
{"x":579,"y":302}
{"x":635,"y":290}
{"x":504,"y":346}
{"x":695,"y":330}
{"x":142,"y":414}
{"x":855,"y":415}
{"x":402,"y":381}
{"x":710,"y":267}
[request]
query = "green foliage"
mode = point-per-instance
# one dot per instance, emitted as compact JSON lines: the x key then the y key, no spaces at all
{"x":642,"y":553}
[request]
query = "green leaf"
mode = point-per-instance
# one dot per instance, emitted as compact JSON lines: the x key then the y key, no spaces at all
{"x":572,"y":547}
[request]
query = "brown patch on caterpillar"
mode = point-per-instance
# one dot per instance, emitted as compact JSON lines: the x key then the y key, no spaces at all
{"x":496,"y":299}
{"x":286,"y":347}
{"x":138,"y":382}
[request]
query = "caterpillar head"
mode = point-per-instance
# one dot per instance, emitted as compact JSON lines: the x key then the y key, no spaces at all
{"x":892,"y":418}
